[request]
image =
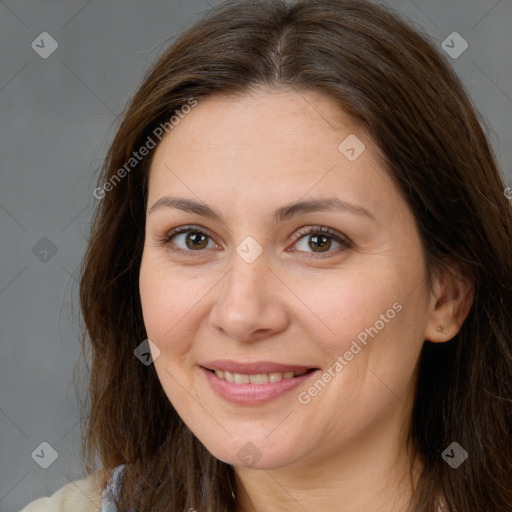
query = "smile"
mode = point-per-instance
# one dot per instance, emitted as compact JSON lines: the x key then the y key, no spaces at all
{"x":254,"y":388}
{"x":258,"y":378}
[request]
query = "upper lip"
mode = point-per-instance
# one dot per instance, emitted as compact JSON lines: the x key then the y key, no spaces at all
{"x":253,"y":368}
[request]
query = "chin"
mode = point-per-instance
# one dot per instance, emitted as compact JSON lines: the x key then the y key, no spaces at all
{"x":254,"y":451}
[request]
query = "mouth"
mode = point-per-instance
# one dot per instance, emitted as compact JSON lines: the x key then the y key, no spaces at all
{"x":258,"y":378}
{"x":254,"y":383}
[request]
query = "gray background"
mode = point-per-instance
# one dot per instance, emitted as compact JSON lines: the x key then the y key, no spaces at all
{"x":57,"y":116}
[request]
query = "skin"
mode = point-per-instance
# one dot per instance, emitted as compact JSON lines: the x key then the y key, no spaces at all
{"x":247,"y":156}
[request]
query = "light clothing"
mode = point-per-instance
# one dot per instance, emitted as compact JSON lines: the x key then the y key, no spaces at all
{"x":80,"y":496}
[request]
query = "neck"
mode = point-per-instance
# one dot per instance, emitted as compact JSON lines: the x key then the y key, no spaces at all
{"x":371,"y":472}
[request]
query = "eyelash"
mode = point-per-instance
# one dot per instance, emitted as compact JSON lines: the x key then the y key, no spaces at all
{"x":344,"y":241}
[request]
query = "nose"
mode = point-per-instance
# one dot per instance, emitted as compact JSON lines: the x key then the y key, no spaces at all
{"x":249,"y":305}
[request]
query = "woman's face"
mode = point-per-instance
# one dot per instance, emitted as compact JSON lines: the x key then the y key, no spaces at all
{"x":255,"y":295}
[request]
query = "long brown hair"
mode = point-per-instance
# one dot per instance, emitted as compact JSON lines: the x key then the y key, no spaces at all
{"x":391,"y":79}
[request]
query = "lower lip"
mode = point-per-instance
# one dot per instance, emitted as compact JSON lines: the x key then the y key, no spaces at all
{"x":253,"y":394}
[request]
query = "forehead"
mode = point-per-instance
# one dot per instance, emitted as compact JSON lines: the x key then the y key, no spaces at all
{"x":269,"y":143}
{"x":265,"y":118}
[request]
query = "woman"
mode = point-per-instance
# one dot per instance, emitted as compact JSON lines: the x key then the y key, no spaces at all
{"x":236,"y":368}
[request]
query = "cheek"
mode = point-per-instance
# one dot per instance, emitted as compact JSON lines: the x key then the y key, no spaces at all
{"x":167,"y":299}
{"x":348,"y":303}
{"x":375,"y":320}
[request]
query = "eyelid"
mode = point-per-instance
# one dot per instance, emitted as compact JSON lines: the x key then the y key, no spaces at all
{"x":166,"y":239}
{"x":314,"y":229}
{"x":342,"y":239}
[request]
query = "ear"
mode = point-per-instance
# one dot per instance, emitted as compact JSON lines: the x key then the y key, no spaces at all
{"x":451,"y":301}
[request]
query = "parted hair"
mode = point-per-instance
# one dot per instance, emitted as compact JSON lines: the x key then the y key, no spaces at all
{"x":389,"y":77}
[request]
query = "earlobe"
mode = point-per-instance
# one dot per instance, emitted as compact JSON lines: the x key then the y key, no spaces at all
{"x":439,"y":333}
{"x":442,"y":329}
{"x":451,"y":302}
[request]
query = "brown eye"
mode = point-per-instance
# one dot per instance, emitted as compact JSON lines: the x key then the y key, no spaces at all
{"x":187,"y":240}
{"x":196,"y":240}
{"x":319,"y":240}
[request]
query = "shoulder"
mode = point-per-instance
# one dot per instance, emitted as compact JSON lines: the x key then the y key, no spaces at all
{"x":85,"y":495}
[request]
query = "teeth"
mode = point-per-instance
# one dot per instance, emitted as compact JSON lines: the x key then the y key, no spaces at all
{"x":275,"y":376}
{"x":259,"y":378}
{"x":241,"y":378}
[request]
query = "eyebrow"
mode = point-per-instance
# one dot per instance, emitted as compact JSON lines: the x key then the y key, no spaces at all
{"x":281,"y":214}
